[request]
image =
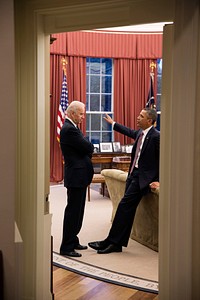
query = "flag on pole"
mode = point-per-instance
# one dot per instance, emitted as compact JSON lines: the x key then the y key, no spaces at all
{"x":63,"y":102}
{"x":151,"y":100}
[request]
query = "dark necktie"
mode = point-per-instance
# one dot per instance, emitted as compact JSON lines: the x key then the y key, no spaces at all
{"x":137,"y":151}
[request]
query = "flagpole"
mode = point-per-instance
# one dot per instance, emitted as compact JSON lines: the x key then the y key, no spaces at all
{"x":151,"y":100}
{"x":63,"y":99}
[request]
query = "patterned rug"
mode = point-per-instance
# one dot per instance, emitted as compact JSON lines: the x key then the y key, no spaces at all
{"x":135,"y":267}
{"x":104,"y":274}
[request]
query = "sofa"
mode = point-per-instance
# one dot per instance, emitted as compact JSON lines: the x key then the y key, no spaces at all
{"x":145,"y":225}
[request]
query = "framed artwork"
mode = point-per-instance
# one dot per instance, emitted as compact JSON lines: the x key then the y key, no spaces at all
{"x":123,"y":148}
{"x":116,"y":146}
{"x":106,"y":147}
{"x":129,"y":148}
{"x":96,"y":148}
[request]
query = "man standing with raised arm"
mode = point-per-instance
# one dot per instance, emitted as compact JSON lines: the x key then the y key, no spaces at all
{"x":144,"y":169}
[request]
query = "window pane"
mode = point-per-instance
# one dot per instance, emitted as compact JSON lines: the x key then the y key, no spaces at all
{"x":158,"y":102}
{"x":159,"y":83}
{"x":105,"y":125}
{"x":94,"y":102}
{"x":87,"y":65}
{"x":95,"y":122}
{"x":87,"y":83}
{"x":94,"y":84}
{"x":88,"y":122}
{"x":159,"y":66}
{"x":95,"y":137}
{"x":107,"y":66}
{"x":94,"y":65}
{"x":106,"y":84}
{"x":87,"y":102}
{"x":106,"y":101}
{"x":158,"y":122}
{"x":107,"y":136}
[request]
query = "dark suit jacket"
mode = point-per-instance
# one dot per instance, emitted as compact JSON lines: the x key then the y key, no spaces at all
{"x":148,"y":164}
{"x":77,"y":152}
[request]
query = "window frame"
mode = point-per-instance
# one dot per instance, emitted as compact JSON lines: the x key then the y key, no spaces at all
{"x":89,"y":113}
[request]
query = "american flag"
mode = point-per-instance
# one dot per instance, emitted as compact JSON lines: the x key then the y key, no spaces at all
{"x":62,"y":106}
{"x":150,"y":100}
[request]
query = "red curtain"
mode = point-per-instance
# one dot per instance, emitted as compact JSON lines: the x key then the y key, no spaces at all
{"x":56,"y":75}
{"x":76,"y":81}
{"x":132,"y":55}
{"x":118,"y":45}
{"x":131,"y":87}
{"x":113,"y":45}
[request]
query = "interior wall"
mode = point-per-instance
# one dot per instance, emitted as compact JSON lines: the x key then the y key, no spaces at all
{"x":180,"y":168}
{"x":61,"y":16}
{"x":165,"y":155}
{"x":8,"y":144}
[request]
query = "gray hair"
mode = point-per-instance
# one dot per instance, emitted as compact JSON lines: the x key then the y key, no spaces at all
{"x":74,"y":106}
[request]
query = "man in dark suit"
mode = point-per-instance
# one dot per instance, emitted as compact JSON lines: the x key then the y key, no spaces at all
{"x":144,"y":169}
{"x":77,"y":152}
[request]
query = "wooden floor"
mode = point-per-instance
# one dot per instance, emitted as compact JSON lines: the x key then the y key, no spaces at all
{"x":71,"y":286}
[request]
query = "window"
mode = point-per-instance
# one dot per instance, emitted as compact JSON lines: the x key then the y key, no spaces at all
{"x":99,"y":99}
{"x":159,"y":85}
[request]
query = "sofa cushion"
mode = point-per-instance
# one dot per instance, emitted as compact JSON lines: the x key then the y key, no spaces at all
{"x":115,"y":181}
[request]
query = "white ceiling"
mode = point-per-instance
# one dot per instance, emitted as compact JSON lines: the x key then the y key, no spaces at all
{"x":153,"y":27}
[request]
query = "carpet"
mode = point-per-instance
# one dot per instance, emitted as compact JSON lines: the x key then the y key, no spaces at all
{"x":136,"y":266}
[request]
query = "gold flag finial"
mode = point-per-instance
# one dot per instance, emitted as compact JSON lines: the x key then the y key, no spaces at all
{"x":64,"y":65}
{"x":152,"y":66}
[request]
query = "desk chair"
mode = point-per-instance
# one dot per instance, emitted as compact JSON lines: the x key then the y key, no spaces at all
{"x":97,"y":178}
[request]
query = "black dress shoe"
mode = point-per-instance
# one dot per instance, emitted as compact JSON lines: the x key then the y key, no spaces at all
{"x":110,"y":248}
{"x":80,"y":247}
{"x":72,"y":253}
{"x":99,"y":245}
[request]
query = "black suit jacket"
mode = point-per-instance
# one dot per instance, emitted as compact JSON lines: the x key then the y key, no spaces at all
{"x":77,"y":152}
{"x":148,"y":164}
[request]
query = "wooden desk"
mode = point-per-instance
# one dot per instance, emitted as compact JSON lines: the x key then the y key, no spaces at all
{"x":105,"y":161}
{"x":121,"y":163}
{"x":98,"y":158}
{"x":110,"y":158}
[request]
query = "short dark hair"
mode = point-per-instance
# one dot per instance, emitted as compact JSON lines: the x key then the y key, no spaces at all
{"x":151,"y":114}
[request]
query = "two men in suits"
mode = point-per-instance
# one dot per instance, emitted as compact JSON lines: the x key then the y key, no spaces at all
{"x":143,"y":171}
{"x":78,"y":172}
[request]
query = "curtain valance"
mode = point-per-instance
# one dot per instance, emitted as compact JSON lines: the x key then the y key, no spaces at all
{"x":113,"y":45}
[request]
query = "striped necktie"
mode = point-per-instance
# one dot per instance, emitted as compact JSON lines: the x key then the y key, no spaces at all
{"x":139,"y":141}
